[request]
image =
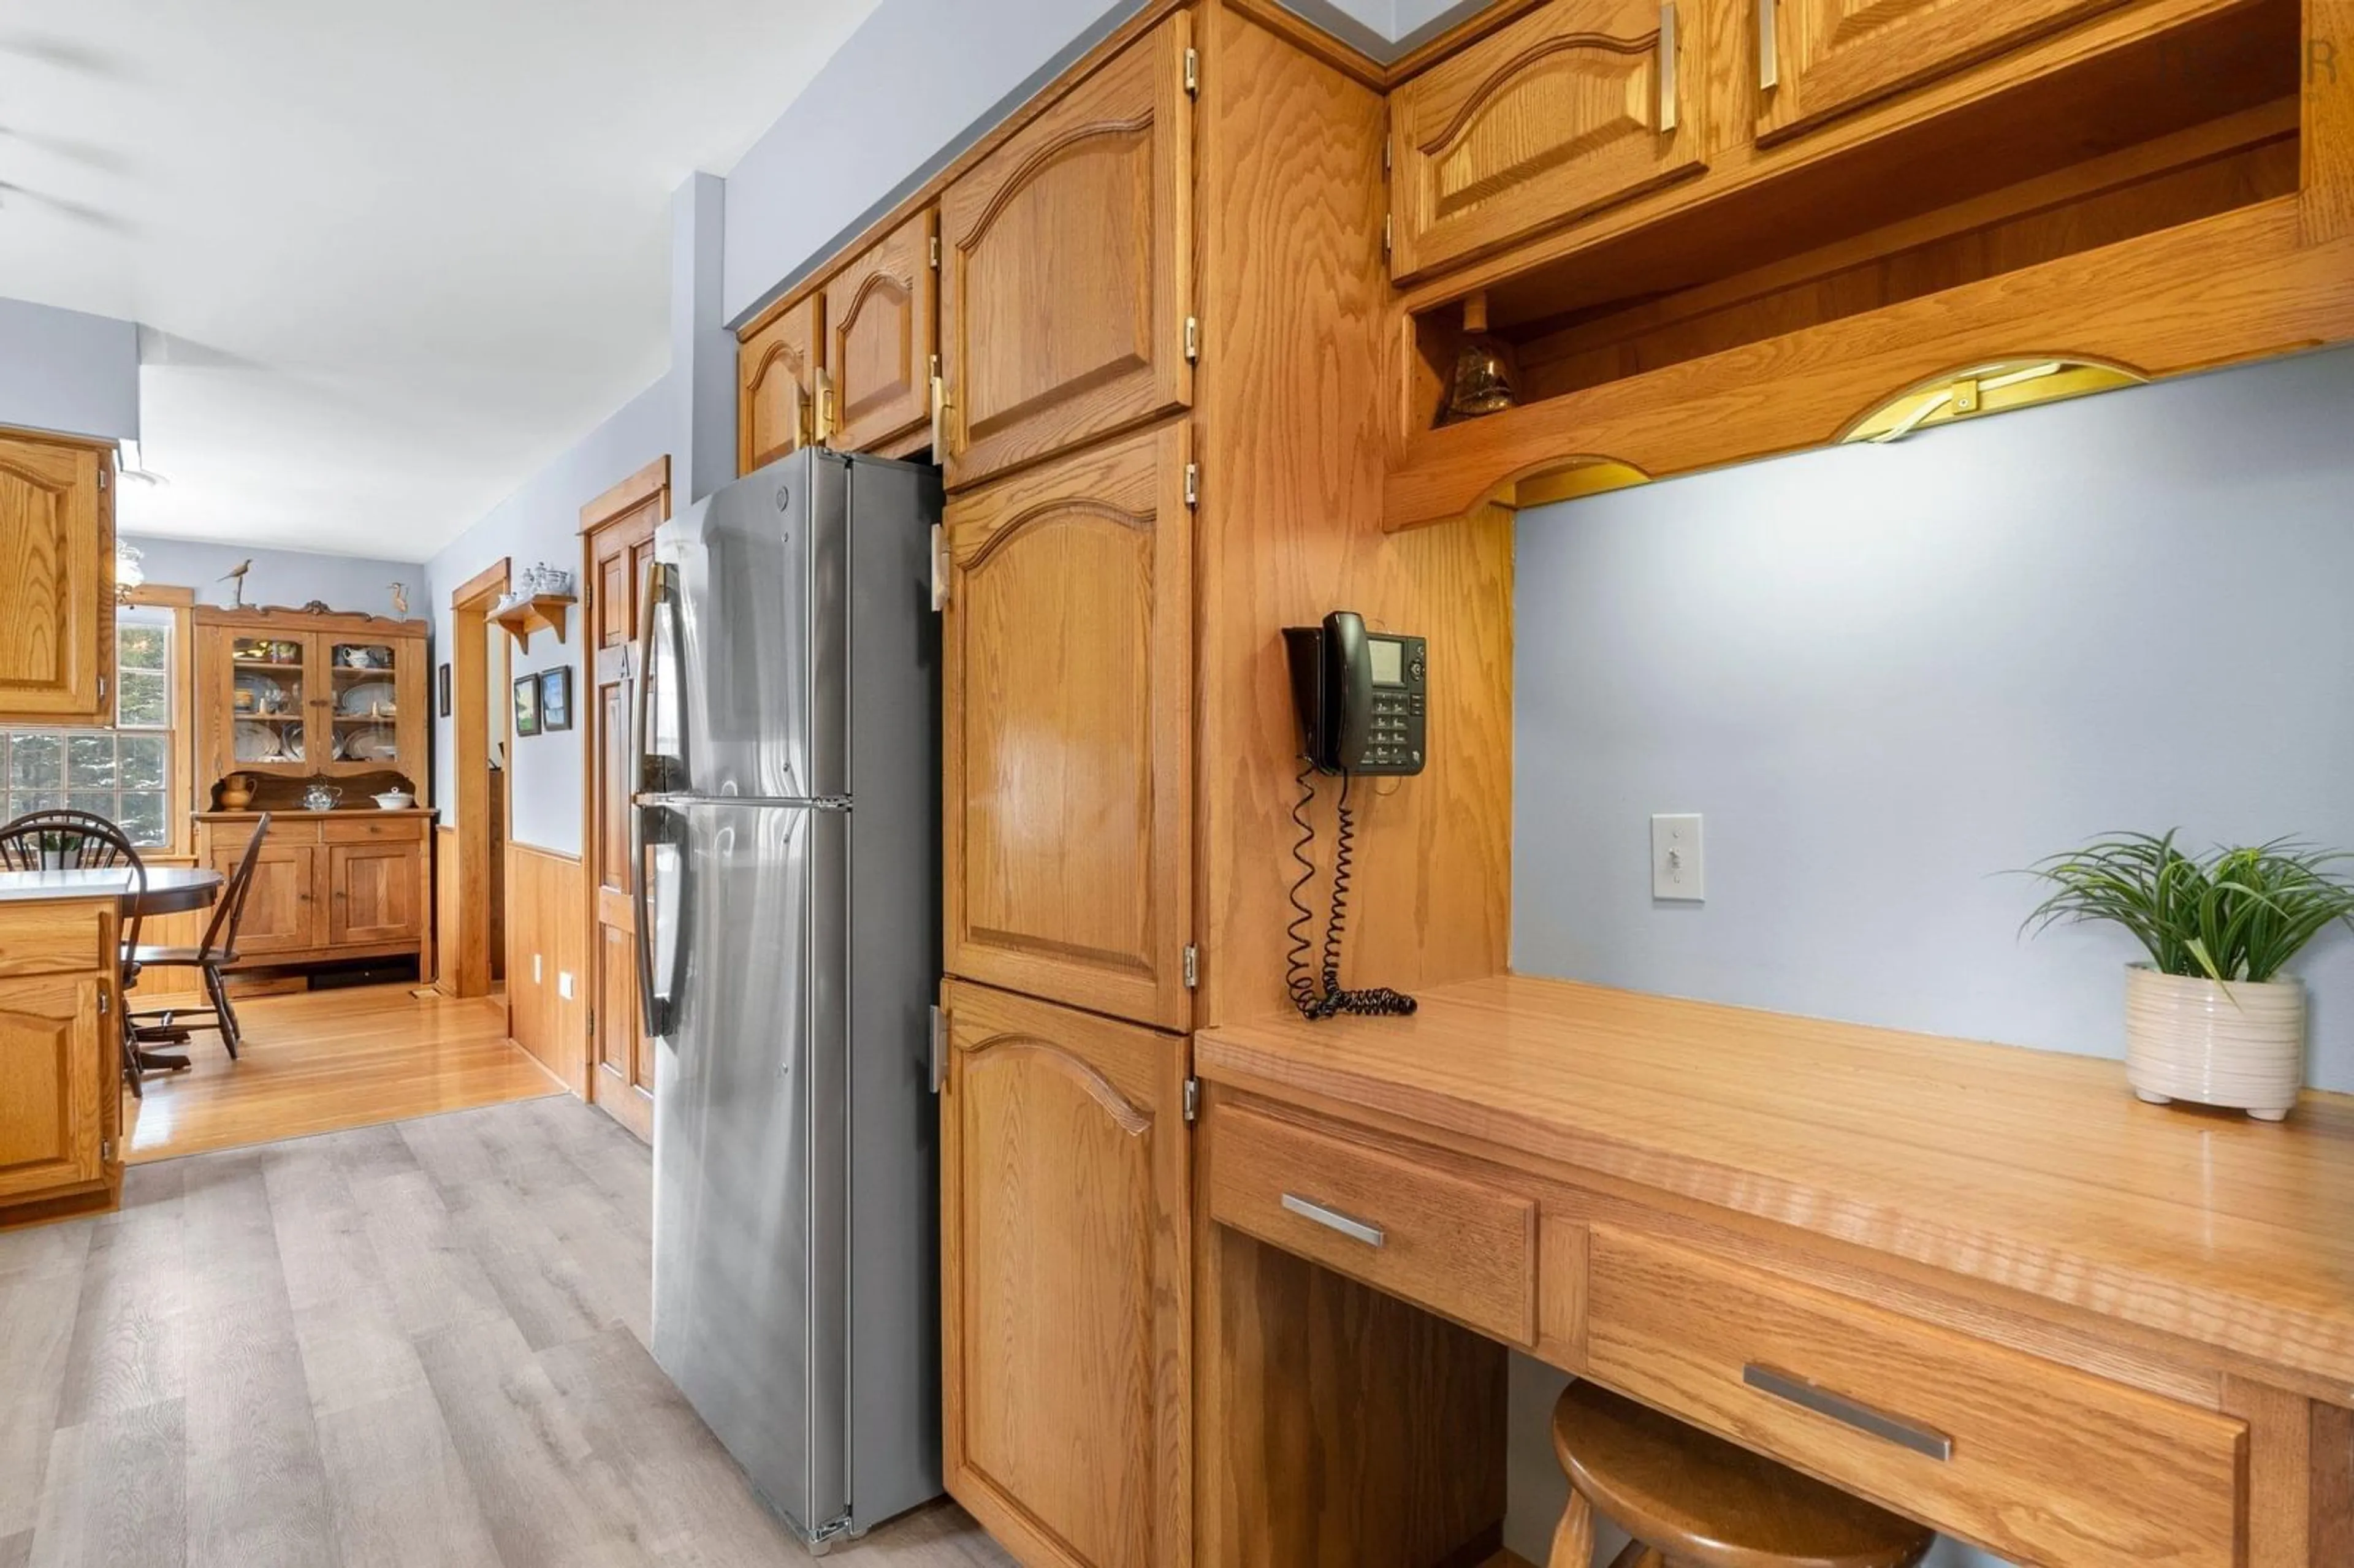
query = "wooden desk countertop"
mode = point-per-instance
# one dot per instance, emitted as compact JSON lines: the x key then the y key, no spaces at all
{"x":2025,"y":1168}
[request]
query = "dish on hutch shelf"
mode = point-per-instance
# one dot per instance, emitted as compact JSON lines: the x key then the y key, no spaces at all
{"x":366,"y":699}
{"x":372,"y":743}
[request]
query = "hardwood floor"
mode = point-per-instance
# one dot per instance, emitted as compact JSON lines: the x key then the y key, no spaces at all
{"x":419,"y":1343}
{"x":325,"y":1060}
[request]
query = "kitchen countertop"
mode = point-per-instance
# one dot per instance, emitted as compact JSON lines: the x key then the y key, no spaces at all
{"x":2035,"y":1171}
{"x":34,"y":886}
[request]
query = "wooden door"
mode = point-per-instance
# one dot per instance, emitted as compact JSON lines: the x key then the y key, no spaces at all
{"x":281,"y":907}
{"x":52,"y":1127}
{"x":56,"y":582}
{"x":1067,"y":260}
{"x":882,"y":340}
{"x":1576,"y":106}
{"x":621,"y":1058}
{"x":373,"y":893}
{"x":776,"y":399}
{"x":1066,"y":1293}
{"x":1828,"y":57}
{"x":1068,"y":673}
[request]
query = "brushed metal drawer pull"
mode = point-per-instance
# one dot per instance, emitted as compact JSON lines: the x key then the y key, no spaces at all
{"x":1333,"y":1220}
{"x":1806,"y":1395}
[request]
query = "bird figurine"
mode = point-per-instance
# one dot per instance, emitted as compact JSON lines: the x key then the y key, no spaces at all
{"x":235,"y":578}
{"x":400,"y":600}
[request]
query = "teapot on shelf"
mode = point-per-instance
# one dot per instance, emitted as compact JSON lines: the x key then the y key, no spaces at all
{"x":321,"y":797}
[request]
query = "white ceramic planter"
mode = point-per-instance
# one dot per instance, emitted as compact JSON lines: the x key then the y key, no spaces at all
{"x":2220,"y":1043}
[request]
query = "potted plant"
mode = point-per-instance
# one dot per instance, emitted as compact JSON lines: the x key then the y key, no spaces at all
{"x":56,"y":851}
{"x":2209,"y":1017}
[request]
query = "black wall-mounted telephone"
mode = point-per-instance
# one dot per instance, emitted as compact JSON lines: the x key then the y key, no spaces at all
{"x":1363,"y":699}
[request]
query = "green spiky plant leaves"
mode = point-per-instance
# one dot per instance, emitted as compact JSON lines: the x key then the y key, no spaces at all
{"x":2238,"y":914}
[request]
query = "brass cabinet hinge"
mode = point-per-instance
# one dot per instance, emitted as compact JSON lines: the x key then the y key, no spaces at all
{"x":101,"y":476}
{"x":940,"y":1049}
{"x":106,"y":1151}
{"x":1192,"y":73}
{"x":936,"y":261}
{"x":1193,"y":340}
{"x":1193,"y":484}
{"x":1193,"y":966}
{"x":1193,"y":1099}
{"x":104,"y":1005}
{"x":939,"y":569}
{"x":1385,"y":234}
{"x":592,"y":1023}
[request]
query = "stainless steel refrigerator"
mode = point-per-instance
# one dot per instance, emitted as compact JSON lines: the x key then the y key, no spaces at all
{"x":788,"y":886}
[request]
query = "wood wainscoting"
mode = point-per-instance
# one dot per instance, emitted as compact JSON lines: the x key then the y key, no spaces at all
{"x":547,"y":933}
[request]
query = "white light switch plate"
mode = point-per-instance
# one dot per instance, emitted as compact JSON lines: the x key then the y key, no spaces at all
{"x":535,"y":968}
{"x":1677,"y":869}
{"x":564,"y":984}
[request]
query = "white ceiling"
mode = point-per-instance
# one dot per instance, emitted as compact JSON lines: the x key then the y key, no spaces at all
{"x":392,"y":259}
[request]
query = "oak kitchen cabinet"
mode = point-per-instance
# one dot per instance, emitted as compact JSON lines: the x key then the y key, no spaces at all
{"x":329,"y":884}
{"x":882,"y":344}
{"x":1068,"y":757}
{"x":1066,"y":1282}
{"x":60,"y":1108}
{"x":56,"y":580}
{"x":1066,"y":268}
{"x":777,"y":398}
{"x":1818,"y":58}
{"x":1579,"y":104}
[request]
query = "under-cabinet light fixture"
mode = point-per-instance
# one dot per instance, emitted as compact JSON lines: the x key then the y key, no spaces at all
{"x":1995,"y":386}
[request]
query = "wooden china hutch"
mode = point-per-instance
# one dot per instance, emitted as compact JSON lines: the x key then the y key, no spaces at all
{"x":289,"y":700}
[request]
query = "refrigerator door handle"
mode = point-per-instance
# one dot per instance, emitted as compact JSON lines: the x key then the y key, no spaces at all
{"x":657,"y":773}
{"x":653,"y":828}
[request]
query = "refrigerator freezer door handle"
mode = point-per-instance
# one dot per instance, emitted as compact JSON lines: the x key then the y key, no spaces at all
{"x":643,"y":911}
{"x":661,"y":604}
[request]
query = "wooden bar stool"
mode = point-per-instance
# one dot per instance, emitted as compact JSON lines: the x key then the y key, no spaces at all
{"x":1692,"y":1500}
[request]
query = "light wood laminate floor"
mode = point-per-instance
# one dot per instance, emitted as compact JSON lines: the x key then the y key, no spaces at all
{"x":419,"y":1343}
{"x":324,"y":1060}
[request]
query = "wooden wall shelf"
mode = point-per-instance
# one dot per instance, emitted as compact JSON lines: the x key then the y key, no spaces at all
{"x":542,"y":612}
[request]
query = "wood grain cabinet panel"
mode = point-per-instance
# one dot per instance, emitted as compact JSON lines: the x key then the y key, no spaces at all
{"x":882,"y":340}
{"x":776,"y":401}
{"x":2040,"y":1463}
{"x":280,"y":908}
{"x":1828,"y":57}
{"x":1069,"y":668}
{"x":53,"y":1075}
{"x":1066,"y":1282}
{"x":1580,"y":105}
{"x":56,"y":582}
{"x":373,"y":893}
{"x":1066,"y":259}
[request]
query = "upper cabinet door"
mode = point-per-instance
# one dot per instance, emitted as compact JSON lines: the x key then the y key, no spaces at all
{"x":882,"y":330}
{"x":56,"y":582}
{"x":776,"y":396}
{"x":1578,"y":105}
{"x":1068,"y":665}
{"x":1823,"y":57}
{"x":1067,"y":267}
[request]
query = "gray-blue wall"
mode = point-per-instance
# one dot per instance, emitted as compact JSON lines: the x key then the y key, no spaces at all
{"x":279,"y":576}
{"x":69,"y":371}
{"x":1888,"y":674}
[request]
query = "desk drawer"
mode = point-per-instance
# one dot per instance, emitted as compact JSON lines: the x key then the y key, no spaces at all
{"x":1444,"y":1242}
{"x":370,"y":829}
{"x":2035,"y":1460}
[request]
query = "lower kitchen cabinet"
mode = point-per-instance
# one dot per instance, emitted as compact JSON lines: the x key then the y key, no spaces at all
{"x":60,"y":1109}
{"x":1066,"y":1294}
{"x":329,"y":885}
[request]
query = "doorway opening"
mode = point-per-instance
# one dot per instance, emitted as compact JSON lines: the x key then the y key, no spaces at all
{"x":472,"y":887}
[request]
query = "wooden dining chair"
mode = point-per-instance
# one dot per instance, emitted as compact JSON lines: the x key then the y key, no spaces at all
{"x":77,"y":841}
{"x":210,"y":959}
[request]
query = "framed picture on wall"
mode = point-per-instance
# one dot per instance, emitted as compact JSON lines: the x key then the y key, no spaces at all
{"x":527,"y":706}
{"x":442,"y":688}
{"x":556,"y":698}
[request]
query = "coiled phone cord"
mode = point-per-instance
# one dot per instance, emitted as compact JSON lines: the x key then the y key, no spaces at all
{"x":1371,"y":1001}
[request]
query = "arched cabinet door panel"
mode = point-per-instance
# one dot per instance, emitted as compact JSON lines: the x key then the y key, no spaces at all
{"x":1066,"y":268}
{"x":776,"y":395}
{"x":1065,"y":1282}
{"x":1825,"y":58}
{"x":1069,"y":668}
{"x":56,"y":582}
{"x":882,"y":340}
{"x":1579,"y":105}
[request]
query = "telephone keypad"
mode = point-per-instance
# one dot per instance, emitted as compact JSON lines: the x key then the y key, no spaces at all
{"x":1397,"y":743}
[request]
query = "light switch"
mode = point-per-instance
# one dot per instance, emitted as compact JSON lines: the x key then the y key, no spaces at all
{"x":535,"y":968}
{"x":1676,"y":865}
{"x":564,"y":984}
